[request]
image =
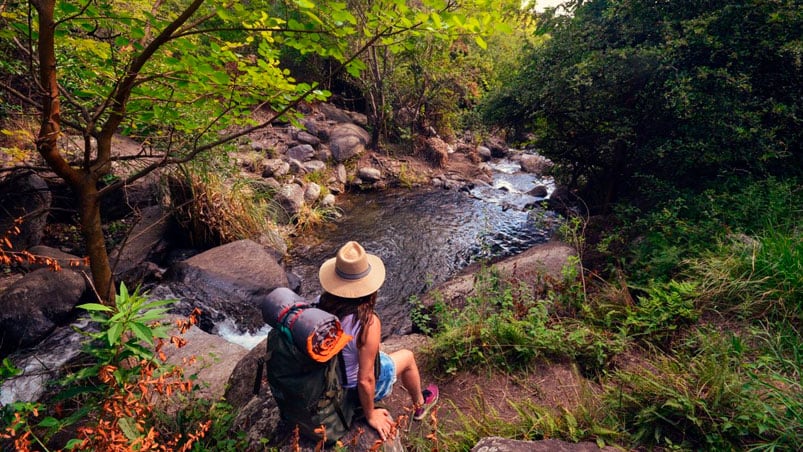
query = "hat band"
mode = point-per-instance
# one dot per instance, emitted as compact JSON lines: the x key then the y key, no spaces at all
{"x":353,"y":276}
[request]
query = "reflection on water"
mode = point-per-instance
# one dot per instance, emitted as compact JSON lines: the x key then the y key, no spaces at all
{"x":424,"y":238}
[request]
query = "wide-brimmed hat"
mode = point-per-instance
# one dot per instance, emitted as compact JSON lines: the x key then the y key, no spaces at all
{"x":353,"y":273}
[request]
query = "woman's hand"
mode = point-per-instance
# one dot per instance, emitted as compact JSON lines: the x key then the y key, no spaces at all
{"x":381,"y":420}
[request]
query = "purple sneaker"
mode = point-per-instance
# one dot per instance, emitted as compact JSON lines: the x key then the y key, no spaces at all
{"x":430,"y":399}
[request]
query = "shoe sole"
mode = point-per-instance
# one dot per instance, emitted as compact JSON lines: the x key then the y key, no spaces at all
{"x":426,"y":411}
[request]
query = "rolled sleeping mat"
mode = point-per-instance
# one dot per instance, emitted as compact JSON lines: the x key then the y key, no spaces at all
{"x":318,"y":333}
{"x":280,"y":303}
{"x":315,"y":332}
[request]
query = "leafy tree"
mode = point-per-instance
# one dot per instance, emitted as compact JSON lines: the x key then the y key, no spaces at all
{"x":181,"y":75}
{"x":402,"y":71}
{"x":639,"y":99}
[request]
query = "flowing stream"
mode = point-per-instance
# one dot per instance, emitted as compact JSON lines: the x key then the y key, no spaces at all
{"x":427,"y":237}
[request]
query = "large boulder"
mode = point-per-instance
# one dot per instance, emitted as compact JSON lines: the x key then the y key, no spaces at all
{"x":224,"y":283}
{"x":535,"y":164}
{"x":36,"y":304}
{"x":146,"y":238}
{"x":24,"y":194}
{"x":347,"y":140}
{"x":209,"y":358}
{"x":335,"y":114}
{"x":542,"y":259}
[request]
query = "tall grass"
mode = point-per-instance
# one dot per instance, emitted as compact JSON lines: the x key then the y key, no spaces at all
{"x":213,"y":209}
{"x":754,"y":276}
{"x":531,"y":422}
{"x":695,"y":400}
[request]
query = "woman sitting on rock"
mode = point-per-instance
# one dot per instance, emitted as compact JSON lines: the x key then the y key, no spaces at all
{"x":350,"y":283}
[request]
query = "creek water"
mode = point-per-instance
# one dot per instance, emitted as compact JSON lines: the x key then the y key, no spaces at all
{"x":426,"y":237}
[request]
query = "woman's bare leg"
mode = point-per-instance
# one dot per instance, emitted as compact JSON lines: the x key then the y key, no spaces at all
{"x":407,"y":373}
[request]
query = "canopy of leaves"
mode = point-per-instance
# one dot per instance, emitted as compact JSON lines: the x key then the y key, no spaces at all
{"x":639,"y":99}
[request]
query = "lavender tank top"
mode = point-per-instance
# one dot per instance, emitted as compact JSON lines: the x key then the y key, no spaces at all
{"x":351,"y":356}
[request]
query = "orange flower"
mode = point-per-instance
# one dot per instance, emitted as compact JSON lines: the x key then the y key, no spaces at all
{"x":106,"y":373}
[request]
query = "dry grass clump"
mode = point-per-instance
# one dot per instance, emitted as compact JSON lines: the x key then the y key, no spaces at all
{"x":212,"y":210}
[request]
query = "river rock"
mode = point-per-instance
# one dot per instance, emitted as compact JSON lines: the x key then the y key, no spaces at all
{"x":45,"y":363}
{"x":224,"y":282}
{"x":535,"y":164}
{"x":296,"y":166}
{"x":315,"y":130}
{"x":542,"y":259}
{"x":34,"y":305}
{"x":302,"y":152}
{"x":332,"y":113}
{"x":497,"y":444}
{"x":312,"y":192}
{"x":484,"y":153}
{"x":314,"y":165}
{"x":307,"y":138}
{"x":341,"y":174}
{"x":369,"y":174}
{"x":291,"y":198}
{"x":275,"y":168}
{"x":539,"y":191}
{"x":328,"y":201}
{"x":497,"y":147}
{"x":323,"y":153}
{"x":347,"y":140}
{"x":24,"y":194}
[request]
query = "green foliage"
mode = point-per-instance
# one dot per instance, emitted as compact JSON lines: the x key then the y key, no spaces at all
{"x":760,"y":275}
{"x":120,"y":359}
{"x":775,"y":382}
{"x":708,"y":397}
{"x":679,"y":229}
{"x":638,"y":100}
{"x":425,"y":61}
{"x":510,"y":325}
{"x":220,"y":437}
{"x":532,"y":422}
{"x":128,"y":331}
{"x":662,"y":311}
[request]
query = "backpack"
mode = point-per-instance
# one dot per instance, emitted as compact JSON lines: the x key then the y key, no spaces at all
{"x":309,"y":393}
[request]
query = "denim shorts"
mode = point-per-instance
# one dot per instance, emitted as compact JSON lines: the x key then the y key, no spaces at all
{"x":387,"y":376}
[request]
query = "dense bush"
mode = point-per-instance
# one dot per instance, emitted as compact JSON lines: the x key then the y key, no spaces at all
{"x":647,"y":100}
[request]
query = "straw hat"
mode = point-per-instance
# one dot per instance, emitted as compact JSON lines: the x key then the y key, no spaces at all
{"x":353,"y":273}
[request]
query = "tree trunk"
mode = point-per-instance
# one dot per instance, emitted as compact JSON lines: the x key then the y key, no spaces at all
{"x":92,"y":231}
{"x":82,"y":181}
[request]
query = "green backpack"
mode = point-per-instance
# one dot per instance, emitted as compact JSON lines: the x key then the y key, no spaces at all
{"x":309,"y":394}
